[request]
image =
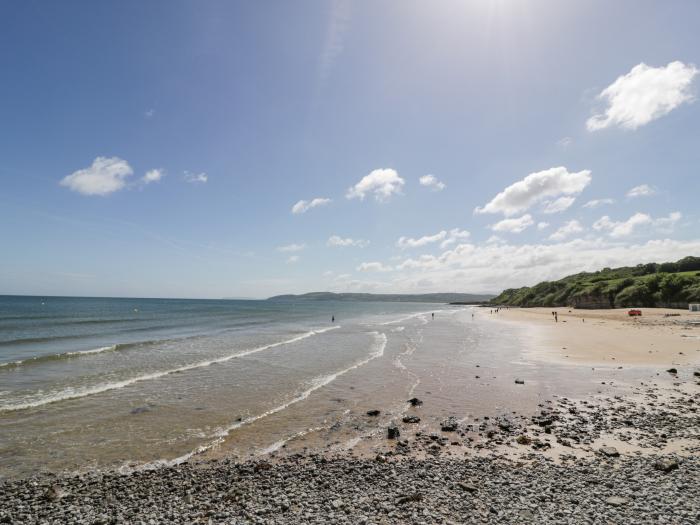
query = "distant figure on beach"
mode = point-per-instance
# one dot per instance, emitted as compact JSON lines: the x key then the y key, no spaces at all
{"x":332,"y":318}
{"x":433,"y":314}
{"x":556,"y":317}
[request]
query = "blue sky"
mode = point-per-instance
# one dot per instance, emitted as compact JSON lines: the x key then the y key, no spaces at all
{"x":239,"y":110}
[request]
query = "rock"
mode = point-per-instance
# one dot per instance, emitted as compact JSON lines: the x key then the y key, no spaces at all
{"x":523,"y":440}
{"x":666,"y":464}
{"x":55,"y":493}
{"x":616,"y":501}
{"x":449,"y":425}
{"x":610,"y":452}
{"x":467,"y":487}
{"x":409,"y":498}
{"x":373,"y":413}
{"x":393,"y":431}
{"x":411,"y":419}
{"x":519,"y":381}
{"x":337,"y":503}
{"x":415,"y":402}
{"x":140,"y":410}
{"x":672,"y":371}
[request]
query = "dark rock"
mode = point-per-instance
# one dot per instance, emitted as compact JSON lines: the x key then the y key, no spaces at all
{"x":393,"y":432}
{"x":373,"y":413}
{"x":519,"y":381}
{"x":411,"y":419}
{"x":672,"y":371}
{"x":415,"y":402}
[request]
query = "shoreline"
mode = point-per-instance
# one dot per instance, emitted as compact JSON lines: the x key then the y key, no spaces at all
{"x":629,"y":450}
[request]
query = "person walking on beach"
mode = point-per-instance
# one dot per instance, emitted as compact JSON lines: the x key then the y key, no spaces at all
{"x":332,"y":318}
{"x":556,"y":317}
{"x":433,"y":314}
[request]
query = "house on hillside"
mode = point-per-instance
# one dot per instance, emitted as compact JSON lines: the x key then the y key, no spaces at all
{"x":694,"y":307}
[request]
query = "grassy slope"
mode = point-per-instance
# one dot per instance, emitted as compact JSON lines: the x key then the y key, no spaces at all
{"x":667,"y":284}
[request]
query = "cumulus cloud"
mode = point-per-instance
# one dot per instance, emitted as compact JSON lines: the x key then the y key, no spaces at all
{"x":594,"y":203}
{"x":337,"y":241}
{"x":382,"y":183}
{"x":408,"y":242}
{"x":291,"y":248}
{"x":454,"y":235}
{"x":542,"y":225}
{"x":638,"y":221}
{"x":513,"y":225}
{"x":432,"y":182}
{"x":535,"y":188}
{"x":303,"y":206}
{"x":196,"y":178}
{"x":558,"y":205}
{"x":644,"y":94}
{"x":373,"y":267}
{"x":643,"y":190}
{"x":106,"y":175}
{"x":293,"y":259}
{"x":153,"y":176}
{"x":567,"y":230}
{"x":498,"y":265}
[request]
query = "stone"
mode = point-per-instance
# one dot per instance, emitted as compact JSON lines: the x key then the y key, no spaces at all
{"x":373,"y":413}
{"x":393,"y":431}
{"x":672,"y":371}
{"x":411,"y":419}
{"x":610,"y":452}
{"x":519,"y":381}
{"x":415,"y":402}
{"x":666,"y":464}
{"x":616,"y":501}
{"x":449,"y":425}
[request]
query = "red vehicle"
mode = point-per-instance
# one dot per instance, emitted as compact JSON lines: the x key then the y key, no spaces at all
{"x":633,"y":313}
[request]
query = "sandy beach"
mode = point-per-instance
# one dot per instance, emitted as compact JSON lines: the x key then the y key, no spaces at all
{"x":471,"y":417}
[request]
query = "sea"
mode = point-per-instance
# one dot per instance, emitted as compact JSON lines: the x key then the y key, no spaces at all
{"x":124,"y":384}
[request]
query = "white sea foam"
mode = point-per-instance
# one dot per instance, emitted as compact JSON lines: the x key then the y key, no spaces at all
{"x":57,"y":357}
{"x":319,"y":382}
{"x":73,"y":393}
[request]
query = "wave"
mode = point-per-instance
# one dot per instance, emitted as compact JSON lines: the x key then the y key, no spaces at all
{"x":72,"y":393}
{"x":221,"y":434}
{"x":57,"y":357}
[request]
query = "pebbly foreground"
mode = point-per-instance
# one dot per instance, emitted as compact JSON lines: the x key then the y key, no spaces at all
{"x":316,"y":489}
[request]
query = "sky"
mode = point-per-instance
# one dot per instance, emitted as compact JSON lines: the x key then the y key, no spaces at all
{"x":246,"y":149}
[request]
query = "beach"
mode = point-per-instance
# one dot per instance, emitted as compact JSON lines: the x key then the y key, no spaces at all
{"x":470,"y":416}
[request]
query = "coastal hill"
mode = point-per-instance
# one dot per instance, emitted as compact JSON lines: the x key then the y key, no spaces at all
{"x":465,"y":298}
{"x":664,"y":285}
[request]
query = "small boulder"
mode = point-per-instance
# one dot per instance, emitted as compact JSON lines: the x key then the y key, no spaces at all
{"x":666,"y":464}
{"x":672,"y":371}
{"x":411,"y":419}
{"x":616,"y":501}
{"x":415,"y":402}
{"x":610,"y":452}
{"x":519,"y":381}
{"x":373,"y":413}
{"x":393,"y":432}
{"x":449,"y":425}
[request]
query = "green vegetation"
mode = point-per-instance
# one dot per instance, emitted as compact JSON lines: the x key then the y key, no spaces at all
{"x":671,"y":284}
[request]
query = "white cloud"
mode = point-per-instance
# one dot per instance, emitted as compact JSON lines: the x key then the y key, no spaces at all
{"x":149,"y":113}
{"x":432,"y":182}
{"x":558,"y":205}
{"x":598,"y":202}
{"x":499,"y":265}
{"x":513,"y":225}
{"x":293,"y":259}
{"x":618,"y":229}
{"x":454,"y":235}
{"x":291,"y":248}
{"x":644,"y":94}
{"x":104,"y":176}
{"x":373,"y":267}
{"x":643,"y":190}
{"x":153,"y":176}
{"x":542,"y":225}
{"x":383,"y":183}
{"x":196,"y":178}
{"x":567,"y":230}
{"x":408,"y":242}
{"x":303,"y":206}
{"x":335,"y":240}
{"x":536,"y":187}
